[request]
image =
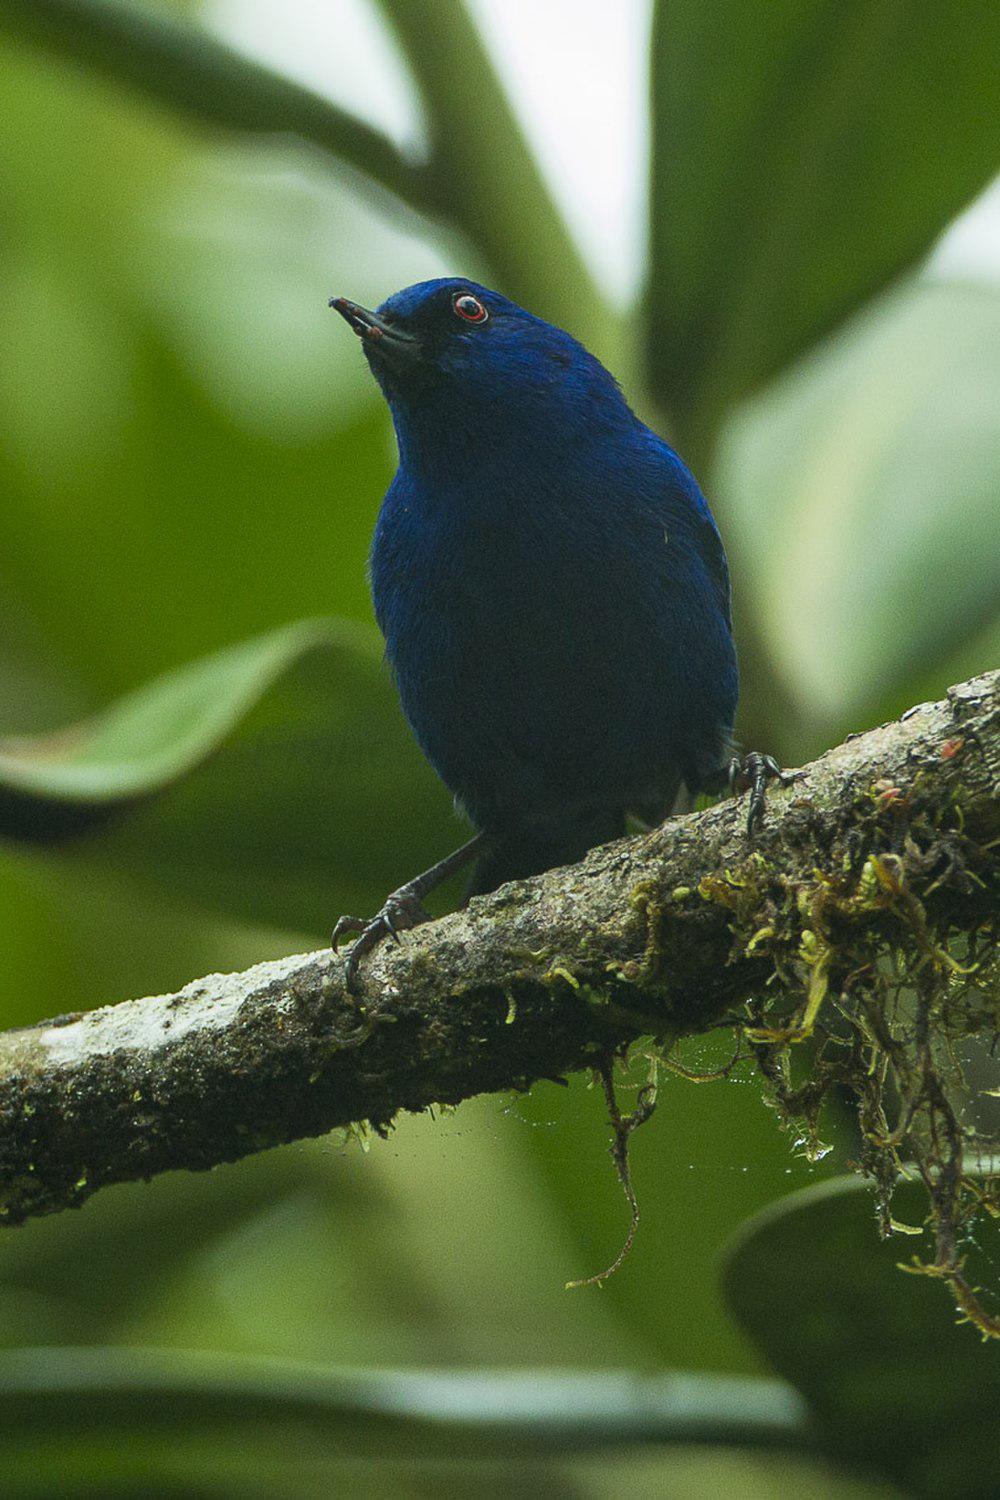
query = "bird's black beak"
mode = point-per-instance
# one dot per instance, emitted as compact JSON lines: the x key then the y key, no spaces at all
{"x":381,"y":339}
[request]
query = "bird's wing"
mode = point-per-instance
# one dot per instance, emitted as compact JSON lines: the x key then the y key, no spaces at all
{"x":714,"y":554}
{"x":674,"y":497}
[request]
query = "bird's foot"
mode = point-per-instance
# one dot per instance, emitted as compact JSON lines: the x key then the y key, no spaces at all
{"x":401,"y":910}
{"x":752,"y":772}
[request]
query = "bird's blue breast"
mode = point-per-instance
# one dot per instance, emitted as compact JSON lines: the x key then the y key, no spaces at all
{"x":557,"y":619}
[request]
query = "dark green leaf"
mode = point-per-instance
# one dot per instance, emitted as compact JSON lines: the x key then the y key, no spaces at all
{"x":877,"y":1354}
{"x":804,"y":154}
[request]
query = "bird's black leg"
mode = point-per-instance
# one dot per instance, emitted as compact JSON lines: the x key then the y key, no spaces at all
{"x":402,"y":909}
{"x":752,"y":772}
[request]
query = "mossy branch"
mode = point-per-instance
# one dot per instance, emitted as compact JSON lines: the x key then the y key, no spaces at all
{"x":886,"y":845}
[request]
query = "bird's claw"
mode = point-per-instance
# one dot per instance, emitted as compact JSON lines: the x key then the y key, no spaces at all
{"x":752,"y":772}
{"x":399,"y":912}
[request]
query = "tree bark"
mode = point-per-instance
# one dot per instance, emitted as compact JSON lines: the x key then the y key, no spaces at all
{"x":665,"y":934}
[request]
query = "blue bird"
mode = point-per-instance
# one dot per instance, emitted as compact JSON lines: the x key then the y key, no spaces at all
{"x":552,"y":589}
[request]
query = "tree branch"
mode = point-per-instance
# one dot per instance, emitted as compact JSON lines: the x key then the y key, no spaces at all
{"x":896,"y":830}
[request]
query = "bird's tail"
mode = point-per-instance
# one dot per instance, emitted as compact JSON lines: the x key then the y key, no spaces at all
{"x":543,"y":846}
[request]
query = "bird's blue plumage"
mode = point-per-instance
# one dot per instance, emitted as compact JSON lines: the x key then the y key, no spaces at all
{"x":550,"y":582}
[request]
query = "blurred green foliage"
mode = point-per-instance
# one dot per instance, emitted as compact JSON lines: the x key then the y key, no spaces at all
{"x":191,"y":459}
{"x":893,"y":1385}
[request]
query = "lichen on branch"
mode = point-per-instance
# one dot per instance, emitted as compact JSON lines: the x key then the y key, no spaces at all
{"x":851,"y":945}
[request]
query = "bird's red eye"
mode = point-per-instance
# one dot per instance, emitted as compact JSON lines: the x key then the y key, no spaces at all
{"x":470,"y":308}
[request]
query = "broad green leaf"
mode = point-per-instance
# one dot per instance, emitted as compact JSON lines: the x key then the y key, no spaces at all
{"x":804,"y":155}
{"x":269,"y":781}
{"x":154,"y":735}
{"x":893,"y":1380}
{"x":380,"y":1412}
{"x":863,"y":492}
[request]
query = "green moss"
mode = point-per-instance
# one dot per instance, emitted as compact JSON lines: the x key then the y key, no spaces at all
{"x":904,"y":990}
{"x":560,"y":972}
{"x":870,"y":983}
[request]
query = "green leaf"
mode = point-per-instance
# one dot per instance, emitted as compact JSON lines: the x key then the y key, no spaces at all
{"x":893,"y":1380}
{"x":862,"y":493}
{"x":185,"y":69}
{"x":474,"y":131}
{"x":804,"y":155}
{"x":283,"y":779}
{"x":471,"y":1413}
{"x":476,"y":138}
{"x":153,"y":736}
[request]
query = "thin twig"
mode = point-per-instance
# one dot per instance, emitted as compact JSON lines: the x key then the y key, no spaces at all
{"x":622,"y":1127}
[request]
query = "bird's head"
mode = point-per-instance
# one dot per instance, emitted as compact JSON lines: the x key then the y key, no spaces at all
{"x":453,"y":356}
